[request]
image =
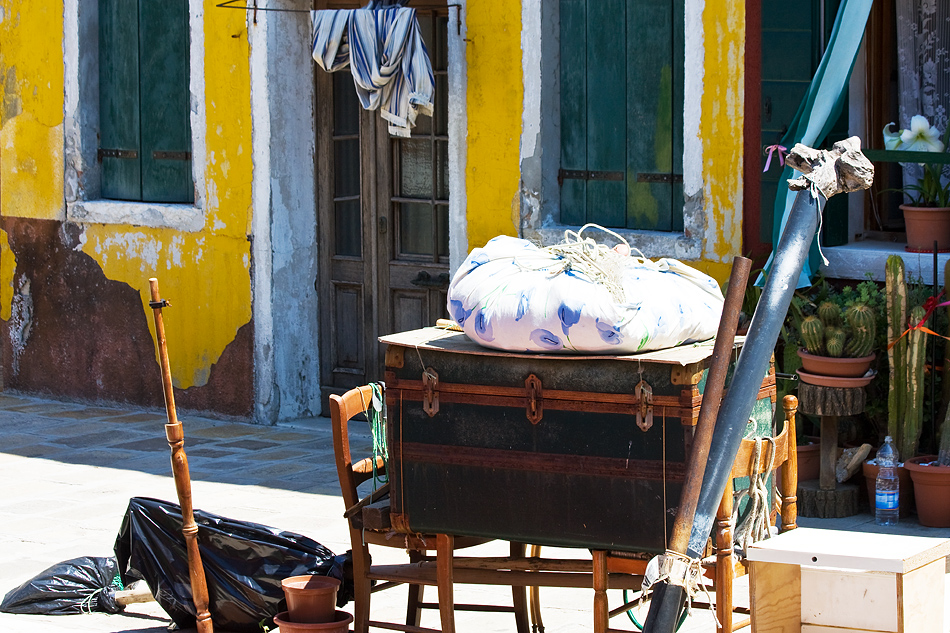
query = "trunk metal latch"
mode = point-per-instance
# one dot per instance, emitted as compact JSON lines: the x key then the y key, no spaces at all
{"x":644,"y":393}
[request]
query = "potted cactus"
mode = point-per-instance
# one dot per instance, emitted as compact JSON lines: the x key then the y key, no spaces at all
{"x":838,"y":342}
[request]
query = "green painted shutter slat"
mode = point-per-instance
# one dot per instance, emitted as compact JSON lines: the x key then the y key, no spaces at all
{"x":621,"y":112}
{"x":119,"y":97}
{"x":606,"y":110}
{"x":678,"y":19}
{"x":164,"y":105}
{"x":573,"y":71}
{"x":654,"y":112}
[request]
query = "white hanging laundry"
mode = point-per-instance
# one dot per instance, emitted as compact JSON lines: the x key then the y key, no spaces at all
{"x":386,"y":56}
{"x":580,"y":297}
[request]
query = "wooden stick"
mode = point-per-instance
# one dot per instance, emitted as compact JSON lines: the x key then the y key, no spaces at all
{"x":176,"y":442}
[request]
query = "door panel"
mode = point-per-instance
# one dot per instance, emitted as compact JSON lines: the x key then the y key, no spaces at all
{"x":383,"y":214}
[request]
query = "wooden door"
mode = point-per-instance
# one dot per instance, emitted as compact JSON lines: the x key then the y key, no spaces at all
{"x":382,"y":214}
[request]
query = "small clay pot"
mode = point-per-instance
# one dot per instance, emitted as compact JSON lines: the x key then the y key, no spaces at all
{"x":339,"y":624}
{"x":931,"y":491}
{"x":809,"y":459}
{"x":310,"y":598}
{"x":905,"y":487}
{"x":831,"y":366}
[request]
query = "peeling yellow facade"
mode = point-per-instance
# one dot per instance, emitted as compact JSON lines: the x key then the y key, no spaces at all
{"x":721,"y":130}
{"x":205,"y":274}
{"x":31,"y":116}
{"x":7,"y":266}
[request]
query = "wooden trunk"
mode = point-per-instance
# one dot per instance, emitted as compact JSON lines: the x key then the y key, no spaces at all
{"x":576,"y":451}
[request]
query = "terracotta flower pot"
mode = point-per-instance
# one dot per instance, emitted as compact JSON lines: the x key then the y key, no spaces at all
{"x":809,"y":459}
{"x":339,"y":624}
{"x":310,"y":598}
{"x":831,"y":366}
{"x":931,"y":491}
{"x":924,"y":225}
{"x":905,"y":491}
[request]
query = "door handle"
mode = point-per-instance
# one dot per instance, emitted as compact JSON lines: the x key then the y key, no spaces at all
{"x":425,"y":280}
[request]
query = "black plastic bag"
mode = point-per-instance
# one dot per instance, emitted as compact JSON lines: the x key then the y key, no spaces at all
{"x":73,"y":586}
{"x":243,"y":563}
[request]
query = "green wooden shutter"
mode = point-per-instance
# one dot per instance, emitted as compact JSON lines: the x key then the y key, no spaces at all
{"x":792,"y":46}
{"x":119,"y":99}
{"x":164,"y":106}
{"x":621,"y":113}
{"x":145,"y":138}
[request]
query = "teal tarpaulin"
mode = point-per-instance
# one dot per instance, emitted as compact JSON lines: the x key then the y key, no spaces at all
{"x":819,"y":110}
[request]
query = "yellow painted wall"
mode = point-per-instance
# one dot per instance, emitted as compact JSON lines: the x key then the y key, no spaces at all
{"x":721,"y":131}
{"x":31,"y":113}
{"x":494,"y":102}
{"x":206,"y":275}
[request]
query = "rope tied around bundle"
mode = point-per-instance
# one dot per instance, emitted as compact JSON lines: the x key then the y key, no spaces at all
{"x":755,"y":525}
{"x":680,"y":570}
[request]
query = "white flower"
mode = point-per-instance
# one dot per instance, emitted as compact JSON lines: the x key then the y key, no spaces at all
{"x":921,"y":137}
{"x":892,"y":140}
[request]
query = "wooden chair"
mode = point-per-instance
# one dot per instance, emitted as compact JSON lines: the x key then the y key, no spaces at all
{"x":724,"y":566}
{"x":727,"y":566}
{"x":368,"y":525}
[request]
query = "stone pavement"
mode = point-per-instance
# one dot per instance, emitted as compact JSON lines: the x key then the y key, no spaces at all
{"x":68,"y":471}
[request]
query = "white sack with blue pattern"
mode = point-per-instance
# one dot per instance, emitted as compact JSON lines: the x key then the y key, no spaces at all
{"x":512,"y":295}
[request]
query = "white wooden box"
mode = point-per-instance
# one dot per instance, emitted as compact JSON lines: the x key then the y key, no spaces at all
{"x":832,"y":581}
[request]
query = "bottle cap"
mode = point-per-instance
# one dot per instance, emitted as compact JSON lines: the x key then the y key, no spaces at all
{"x":888,"y":439}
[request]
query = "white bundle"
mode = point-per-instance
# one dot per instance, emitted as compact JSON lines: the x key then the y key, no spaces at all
{"x":580,"y":297}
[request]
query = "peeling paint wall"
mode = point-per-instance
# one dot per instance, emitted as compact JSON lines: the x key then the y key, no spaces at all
{"x":31,"y":117}
{"x":721,"y":129}
{"x":201,"y":255}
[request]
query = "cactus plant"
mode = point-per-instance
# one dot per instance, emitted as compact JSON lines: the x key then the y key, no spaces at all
{"x":896,"y":301}
{"x":863,"y":324}
{"x":827,"y":334}
{"x":829,"y":313}
{"x":914,"y":406}
{"x":835,"y":341}
{"x":813,"y":335}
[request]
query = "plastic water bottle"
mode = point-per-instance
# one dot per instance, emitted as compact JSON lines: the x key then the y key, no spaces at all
{"x":887,"y":487}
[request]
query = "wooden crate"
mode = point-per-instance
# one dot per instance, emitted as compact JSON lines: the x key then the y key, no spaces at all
{"x":577,"y":451}
{"x":832,"y":581}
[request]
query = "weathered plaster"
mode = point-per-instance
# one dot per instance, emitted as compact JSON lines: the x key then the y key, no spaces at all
{"x":721,"y":128}
{"x":7,"y":270}
{"x":494,"y":104}
{"x":201,"y":276}
{"x":31,"y":136}
{"x":207,"y":270}
{"x":458,"y":141}
{"x":284,"y":225}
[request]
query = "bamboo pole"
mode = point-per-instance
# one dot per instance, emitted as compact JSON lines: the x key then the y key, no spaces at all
{"x":176,"y":442}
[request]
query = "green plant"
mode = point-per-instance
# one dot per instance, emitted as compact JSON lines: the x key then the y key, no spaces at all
{"x":906,"y":358}
{"x":933,"y":189}
{"x":844,"y":324}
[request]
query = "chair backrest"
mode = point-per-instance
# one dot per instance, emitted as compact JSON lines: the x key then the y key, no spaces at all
{"x":343,"y":409}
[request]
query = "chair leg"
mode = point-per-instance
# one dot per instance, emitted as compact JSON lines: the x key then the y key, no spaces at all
{"x":362,"y":587}
{"x":601,"y":614}
{"x":519,"y":595}
{"x":725,"y":562}
{"x":413,"y":610}
{"x":445,"y":544}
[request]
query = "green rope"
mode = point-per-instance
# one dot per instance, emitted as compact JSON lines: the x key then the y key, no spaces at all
{"x":376,"y":415}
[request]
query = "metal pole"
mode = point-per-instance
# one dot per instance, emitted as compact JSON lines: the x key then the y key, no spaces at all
{"x":753,"y":363}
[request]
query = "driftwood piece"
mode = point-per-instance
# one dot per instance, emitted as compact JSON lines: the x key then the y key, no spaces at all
{"x":827,"y":504}
{"x":818,"y":400}
{"x":842,"y":169}
{"x":850,"y":462}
